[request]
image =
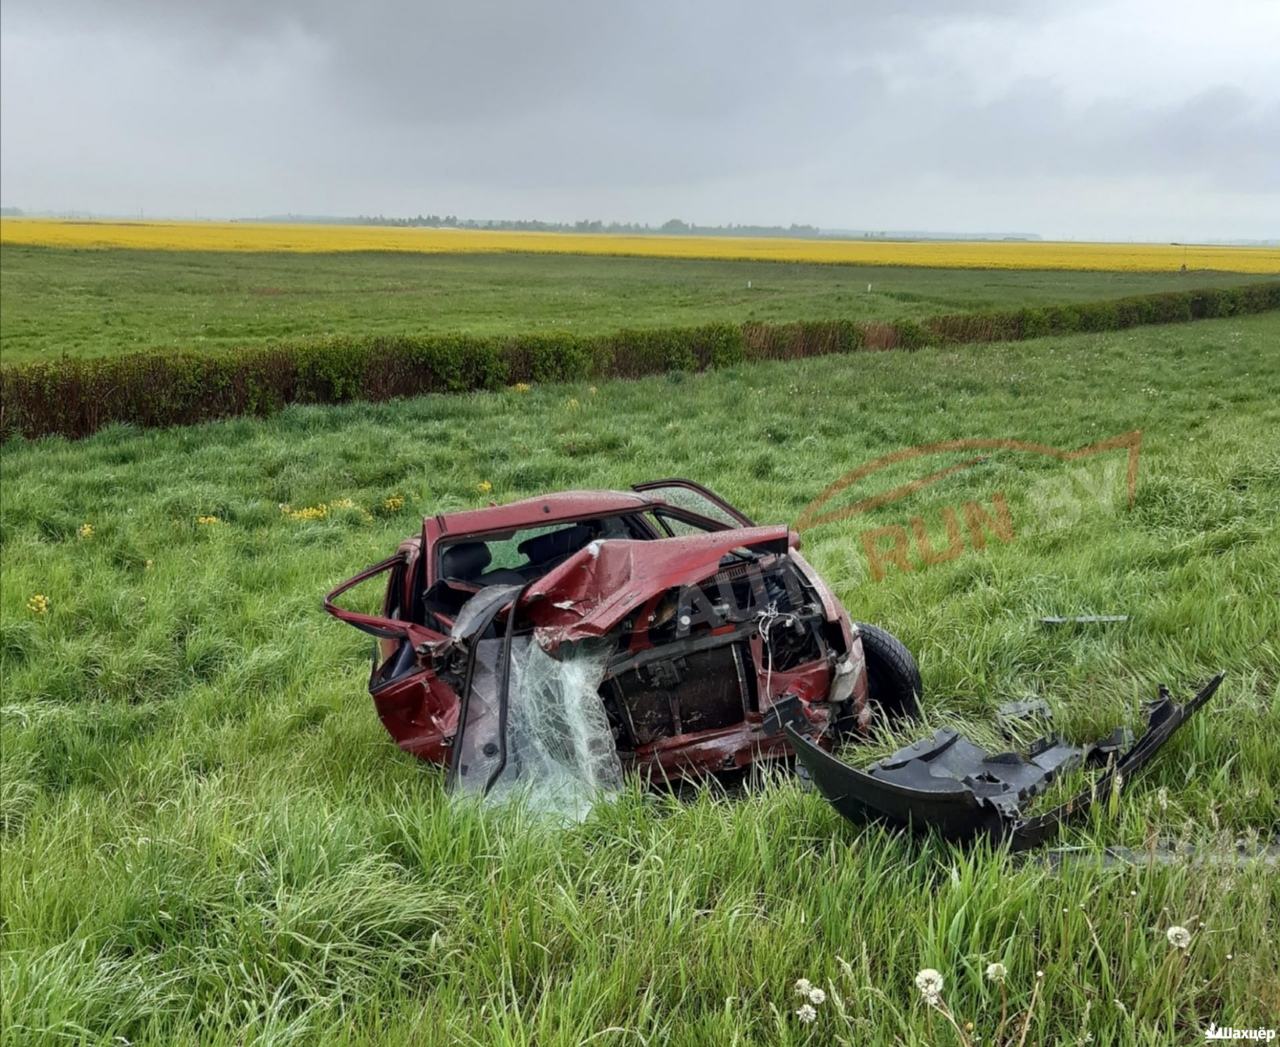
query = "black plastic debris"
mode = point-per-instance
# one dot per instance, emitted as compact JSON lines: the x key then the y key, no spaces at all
{"x":1241,"y":855}
{"x":1083,"y":619}
{"x":785,"y":712}
{"x":949,"y":785}
{"x":1011,"y":715}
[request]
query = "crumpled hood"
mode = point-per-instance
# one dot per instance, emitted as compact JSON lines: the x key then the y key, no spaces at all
{"x":597,"y":587}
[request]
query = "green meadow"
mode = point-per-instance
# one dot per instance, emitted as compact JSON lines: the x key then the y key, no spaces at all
{"x":208,"y":838}
{"x":94,"y":303}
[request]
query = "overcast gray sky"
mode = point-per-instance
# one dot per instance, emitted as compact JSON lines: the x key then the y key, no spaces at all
{"x":1148,"y":119}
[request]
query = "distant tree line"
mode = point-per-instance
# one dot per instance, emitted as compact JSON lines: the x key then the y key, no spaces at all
{"x":673,"y":227}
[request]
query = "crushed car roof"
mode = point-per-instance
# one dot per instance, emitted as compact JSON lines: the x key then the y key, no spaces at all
{"x":546,"y":508}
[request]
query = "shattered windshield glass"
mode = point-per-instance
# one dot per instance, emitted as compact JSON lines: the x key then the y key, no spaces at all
{"x":551,"y":747}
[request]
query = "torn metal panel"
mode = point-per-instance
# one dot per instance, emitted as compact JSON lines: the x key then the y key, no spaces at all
{"x":480,"y":745}
{"x":948,"y":784}
{"x":600,"y":585}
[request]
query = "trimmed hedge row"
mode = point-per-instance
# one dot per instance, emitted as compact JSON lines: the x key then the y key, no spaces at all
{"x":1107,"y":315}
{"x":74,"y":397}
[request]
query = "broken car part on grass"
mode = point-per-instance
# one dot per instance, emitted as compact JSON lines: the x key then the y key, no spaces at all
{"x":547,"y":646}
{"x":949,"y":785}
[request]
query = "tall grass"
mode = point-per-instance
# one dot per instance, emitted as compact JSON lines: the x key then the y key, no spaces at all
{"x":208,"y":838}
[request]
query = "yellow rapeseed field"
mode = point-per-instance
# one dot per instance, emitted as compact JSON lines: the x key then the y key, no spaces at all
{"x":247,"y":236}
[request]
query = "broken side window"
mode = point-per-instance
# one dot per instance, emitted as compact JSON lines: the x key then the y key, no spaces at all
{"x":685,"y":494}
{"x":677,"y":527}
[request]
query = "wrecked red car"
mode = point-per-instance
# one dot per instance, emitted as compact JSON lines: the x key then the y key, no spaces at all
{"x":686,"y":636}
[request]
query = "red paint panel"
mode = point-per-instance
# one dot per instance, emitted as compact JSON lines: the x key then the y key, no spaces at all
{"x":547,"y":508}
{"x":419,"y":712}
{"x":600,"y":585}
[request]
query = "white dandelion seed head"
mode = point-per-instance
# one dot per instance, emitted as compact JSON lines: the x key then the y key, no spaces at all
{"x":806,"y":1013}
{"x":817,"y":996}
{"x":803,"y":986}
{"x":1179,"y":937}
{"x":929,"y":982}
{"x":996,"y":972}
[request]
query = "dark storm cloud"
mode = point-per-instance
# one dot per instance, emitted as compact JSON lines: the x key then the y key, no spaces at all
{"x":1130,"y":118}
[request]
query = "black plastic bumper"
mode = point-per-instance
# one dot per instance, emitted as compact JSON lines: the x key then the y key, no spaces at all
{"x":949,"y":785}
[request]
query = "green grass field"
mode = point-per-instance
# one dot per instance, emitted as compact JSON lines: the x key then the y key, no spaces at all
{"x":209,"y":838}
{"x":89,"y":303}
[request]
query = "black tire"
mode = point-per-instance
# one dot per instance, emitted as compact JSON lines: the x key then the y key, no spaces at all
{"x":893,"y":678}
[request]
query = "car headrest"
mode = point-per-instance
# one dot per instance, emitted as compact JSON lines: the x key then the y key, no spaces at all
{"x":557,"y":545}
{"x":465,"y":560}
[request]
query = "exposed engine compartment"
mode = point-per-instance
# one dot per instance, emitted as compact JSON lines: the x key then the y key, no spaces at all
{"x":716,"y":655}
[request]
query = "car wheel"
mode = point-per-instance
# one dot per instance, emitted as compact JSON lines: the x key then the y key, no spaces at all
{"x":893,"y":678}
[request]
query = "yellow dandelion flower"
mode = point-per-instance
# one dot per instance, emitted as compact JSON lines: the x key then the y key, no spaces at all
{"x":38,"y":604}
{"x":572,"y":403}
{"x":342,"y":503}
{"x":309,"y":512}
{"x":393,"y":503}
{"x":85,"y":531}
{"x":148,"y":565}
{"x":484,"y":487}
{"x":206,"y":521}
{"x":521,"y":387}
